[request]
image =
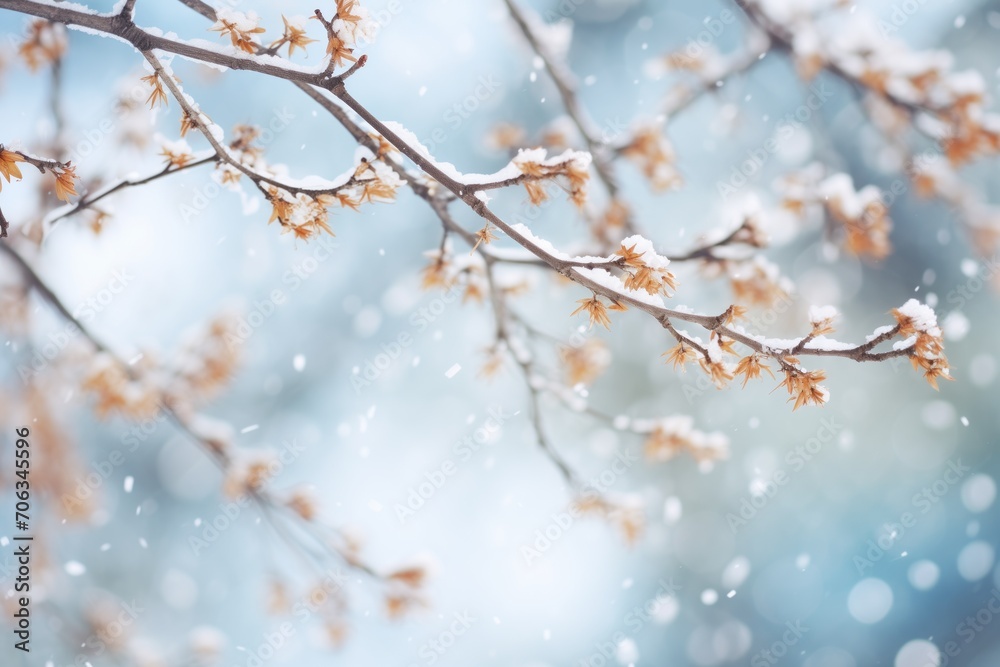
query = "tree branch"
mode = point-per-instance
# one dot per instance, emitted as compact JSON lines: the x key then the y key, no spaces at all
{"x":460,"y":190}
{"x":88,"y":201}
{"x":564,"y":82}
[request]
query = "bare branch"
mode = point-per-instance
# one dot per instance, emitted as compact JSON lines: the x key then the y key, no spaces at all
{"x":564,"y":82}
{"x":89,"y":200}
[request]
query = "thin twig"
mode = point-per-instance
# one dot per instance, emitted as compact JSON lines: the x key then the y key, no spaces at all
{"x":88,"y":201}
{"x":263,"y":499}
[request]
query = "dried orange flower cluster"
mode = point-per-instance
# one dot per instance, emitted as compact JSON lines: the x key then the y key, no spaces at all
{"x":653,"y":153}
{"x":954,"y":102}
{"x":933,"y":176}
{"x":861,"y":214}
{"x":713,"y":358}
{"x":239,"y":27}
{"x":349,"y":25}
{"x":205,"y":363}
{"x":644,"y":268}
{"x":243,"y":147}
{"x":249,"y":471}
{"x":404,"y":594}
{"x":803,"y":386}
{"x":679,"y":61}
{"x":450,"y":272}
{"x":750,"y":367}
{"x":65,"y":177}
{"x":158,"y":95}
{"x":294,"y":36}
{"x":8,"y":165}
{"x":598,"y":311}
{"x":907,"y":91}
{"x":177,"y":153}
{"x":44,"y":44}
{"x":304,"y":215}
{"x":715,"y":362}
{"x":676,"y":435}
{"x":643,"y":273}
{"x":625,"y":513}
{"x":302,"y":501}
{"x":614,"y":216}
{"x":324,"y":597}
{"x":757,"y":282}
{"x":505,"y":136}
{"x":536,"y":168}
{"x":202,"y":366}
{"x":584,"y":363}
{"x":918,"y":325}
{"x":65,"y":173}
{"x":116,"y":391}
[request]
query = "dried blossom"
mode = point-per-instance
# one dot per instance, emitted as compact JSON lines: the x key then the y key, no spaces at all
{"x":159,"y":94}
{"x":652,"y":152}
{"x":583,"y":364}
{"x":596,"y":309}
{"x":8,"y":165}
{"x":239,"y":27}
{"x":803,"y":386}
{"x":571,"y":167}
{"x":675,"y":435}
{"x":294,"y":36}
{"x":65,"y":175}
{"x":918,"y":325}
{"x":750,"y":368}
{"x":44,"y":44}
